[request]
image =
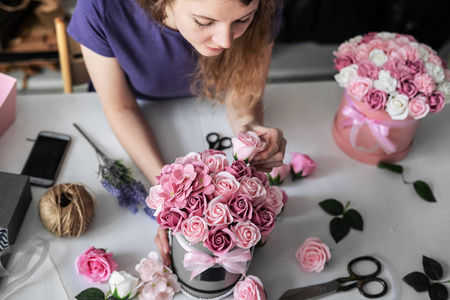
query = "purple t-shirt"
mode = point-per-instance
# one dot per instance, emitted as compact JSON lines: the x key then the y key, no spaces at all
{"x":157,"y":62}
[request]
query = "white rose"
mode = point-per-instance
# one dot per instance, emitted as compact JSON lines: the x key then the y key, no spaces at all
{"x":444,"y":88}
{"x":422,"y":51}
{"x":384,"y":35}
{"x":123,"y":285}
{"x":397,"y":106}
{"x":378,"y":57}
{"x":346,"y":74}
{"x":385,"y":82}
{"x":435,"y":71}
{"x":356,"y":39}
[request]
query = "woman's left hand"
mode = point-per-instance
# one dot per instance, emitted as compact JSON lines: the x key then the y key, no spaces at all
{"x":273,"y":153}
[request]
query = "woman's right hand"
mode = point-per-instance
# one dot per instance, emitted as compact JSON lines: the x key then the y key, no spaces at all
{"x":162,"y":242}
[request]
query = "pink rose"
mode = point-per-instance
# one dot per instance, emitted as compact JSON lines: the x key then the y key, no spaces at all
{"x":416,"y":67}
{"x":225,"y":185}
{"x":246,"y":145}
{"x":239,"y":169}
{"x":285,"y":197}
{"x":275,"y":198}
{"x":196,"y":205}
{"x":254,"y":188}
{"x":195,"y":229}
{"x":247,"y":234}
{"x":251,"y":288}
{"x":436,"y":101}
{"x":366,"y":68}
{"x":220,"y":240}
{"x":376,"y":99}
{"x":188,"y":159}
{"x":425,"y":83}
{"x":95,"y":264}
{"x":278,"y":174}
{"x":397,"y":68}
{"x":358,"y":87}
{"x":343,"y":61}
{"x":302,"y":165}
{"x":216,"y":161}
{"x":345,"y":48}
{"x":313,"y":255}
{"x":217,"y":212}
{"x":260,"y":175}
{"x":241,"y":207}
{"x":149,"y":267}
{"x":264,"y":217}
{"x":407,"y":87}
{"x":171,"y":217}
{"x":154,"y":200}
{"x":418,"y":107}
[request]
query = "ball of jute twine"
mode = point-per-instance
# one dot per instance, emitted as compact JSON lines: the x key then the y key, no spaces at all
{"x":67,"y":209}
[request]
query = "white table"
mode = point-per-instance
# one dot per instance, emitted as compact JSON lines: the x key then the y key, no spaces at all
{"x":399,"y":227}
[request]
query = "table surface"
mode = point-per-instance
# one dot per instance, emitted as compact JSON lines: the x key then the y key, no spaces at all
{"x":399,"y":227}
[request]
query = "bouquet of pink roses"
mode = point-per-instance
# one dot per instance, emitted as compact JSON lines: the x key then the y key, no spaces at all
{"x":223,"y":205}
{"x":394,"y":73}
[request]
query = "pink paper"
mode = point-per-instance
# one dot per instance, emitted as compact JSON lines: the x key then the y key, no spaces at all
{"x":8,"y":94}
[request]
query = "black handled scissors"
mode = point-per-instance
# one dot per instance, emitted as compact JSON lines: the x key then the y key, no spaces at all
{"x":217,"y":143}
{"x":341,"y":284}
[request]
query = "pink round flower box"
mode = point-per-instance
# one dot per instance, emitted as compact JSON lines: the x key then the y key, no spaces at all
{"x":355,"y":137}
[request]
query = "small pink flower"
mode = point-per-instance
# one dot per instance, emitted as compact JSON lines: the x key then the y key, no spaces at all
{"x":246,"y":145}
{"x":302,"y":165}
{"x":195,"y":229}
{"x":153,"y":289}
{"x":95,"y":264}
{"x":150,"y":267}
{"x":247,"y":234}
{"x":251,"y":288}
{"x":278,"y":174}
{"x":313,"y":255}
{"x":418,"y":107}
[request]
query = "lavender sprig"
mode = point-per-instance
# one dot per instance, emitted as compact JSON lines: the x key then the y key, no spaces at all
{"x":117,"y":180}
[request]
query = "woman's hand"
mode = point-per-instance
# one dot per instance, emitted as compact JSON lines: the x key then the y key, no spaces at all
{"x":162,"y":242}
{"x":273,"y":153}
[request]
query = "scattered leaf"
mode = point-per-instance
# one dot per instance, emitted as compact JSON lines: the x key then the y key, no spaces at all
{"x":438,"y":291}
{"x":354,"y":219}
{"x":432,"y":268}
{"x":418,"y":281}
{"x":339,"y":228}
{"x":332,"y":206}
{"x":391,"y":167}
{"x":424,"y":191}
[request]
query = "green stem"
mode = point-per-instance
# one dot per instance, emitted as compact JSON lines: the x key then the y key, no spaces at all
{"x":89,"y":140}
{"x":404,"y":181}
{"x":346,"y":207}
{"x":448,"y":281}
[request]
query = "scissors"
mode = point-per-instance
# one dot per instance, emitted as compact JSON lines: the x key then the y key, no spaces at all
{"x":217,"y":143}
{"x":341,"y":284}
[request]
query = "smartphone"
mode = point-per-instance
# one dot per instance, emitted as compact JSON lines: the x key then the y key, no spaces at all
{"x":46,"y":158}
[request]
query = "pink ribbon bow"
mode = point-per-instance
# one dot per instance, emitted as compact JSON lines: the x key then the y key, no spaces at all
{"x":198,"y":262}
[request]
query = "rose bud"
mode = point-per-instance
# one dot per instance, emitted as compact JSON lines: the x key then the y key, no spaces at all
{"x":246,"y":145}
{"x":278,"y":174}
{"x":123,"y":285}
{"x":301,"y":165}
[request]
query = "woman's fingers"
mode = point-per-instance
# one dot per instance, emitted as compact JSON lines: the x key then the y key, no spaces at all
{"x":162,"y":242}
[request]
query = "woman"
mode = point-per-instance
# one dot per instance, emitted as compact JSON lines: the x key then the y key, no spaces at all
{"x":159,"y":49}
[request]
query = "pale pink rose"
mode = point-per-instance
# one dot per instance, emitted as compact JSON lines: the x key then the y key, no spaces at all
{"x":345,"y":48}
{"x":216,"y":162}
{"x":188,"y":158}
{"x":251,"y":288}
{"x":358,"y":87}
{"x":302,"y":165}
{"x":225,"y":185}
{"x":195,"y":229}
{"x":150,"y":267}
{"x":362,"y":51}
{"x":376,"y":99}
{"x":246,"y":145}
{"x":343,"y":61}
{"x":217,"y":212}
{"x":436,"y":101}
{"x":396,"y":52}
{"x":435,"y":59}
{"x":279,"y":174}
{"x":154,"y":200}
{"x":220,"y":240}
{"x":254,"y":188}
{"x":425,"y":84}
{"x":95,"y":264}
{"x":377,"y":43}
{"x":411,"y":52}
{"x":274,"y":198}
{"x":313,"y":255}
{"x":418,"y":107}
{"x":367,"y":69}
{"x":247,"y":234}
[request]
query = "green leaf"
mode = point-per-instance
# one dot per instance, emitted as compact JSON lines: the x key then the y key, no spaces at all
{"x":418,"y":281}
{"x":91,"y":294}
{"x":354,"y":218}
{"x":438,"y":291}
{"x":339,"y":228}
{"x":424,"y":191}
{"x":391,"y":167}
{"x":332,"y":206}
{"x":432,"y":268}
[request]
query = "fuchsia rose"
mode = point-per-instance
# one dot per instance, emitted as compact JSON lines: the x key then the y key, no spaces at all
{"x":376,"y":99}
{"x":343,"y":61}
{"x":246,"y":145}
{"x":225,"y":185}
{"x":407,"y":87}
{"x":239,"y":170}
{"x":220,"y":240}
{"x":313,"y":255}
{"x":95,"y":264}
{"x":279,"y":174}
{"x":253,"y":187}
{"x":260,"y":175}
{"x":275,"y":198}
{"x":247,"y":234}
{"x":215,"y":160}
{"x":264,"y":218}
{"x":416,"y":67}
{"x":418,"y":107}
{"x":251,"y":288}
{"x":302,"y":165}
{"x":150,"y":266}
{"x":195,"y":229}
{"x":196,"y":205}
{"x":241,"y":207}
{"x":217,"y":212}
{"x":436,"y":101}
{"x":359,"y":86}
{"x":171,"y":217}
{"x":367,"y":69}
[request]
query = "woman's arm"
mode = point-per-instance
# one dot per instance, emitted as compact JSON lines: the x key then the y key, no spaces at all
{"x":244,"y":118}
